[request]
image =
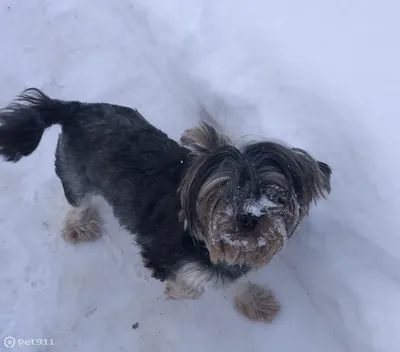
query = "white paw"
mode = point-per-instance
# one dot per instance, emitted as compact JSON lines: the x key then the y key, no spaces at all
{"x":178,"y":290}
{"x":256,"y":303}
{"x":82,"y":224}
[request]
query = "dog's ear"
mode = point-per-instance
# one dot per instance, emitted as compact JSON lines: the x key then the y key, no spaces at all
{"x":203,"y":139}
{"x":314,"y":176}
{"x":326,"y":172}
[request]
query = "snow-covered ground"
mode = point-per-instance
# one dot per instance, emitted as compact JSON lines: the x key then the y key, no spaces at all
{"x":322,"y":75}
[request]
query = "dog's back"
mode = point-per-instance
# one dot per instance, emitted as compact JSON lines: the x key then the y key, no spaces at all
{"x":23,"y":122}
{"x":103,"y":149}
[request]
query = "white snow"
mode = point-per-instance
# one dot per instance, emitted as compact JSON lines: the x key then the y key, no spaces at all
{"x":234,"y":242}
{"x":260,"y":207}
{"x":321,"y":75}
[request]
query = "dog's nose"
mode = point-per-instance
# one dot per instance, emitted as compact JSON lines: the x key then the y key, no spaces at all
{"x":248,"y":221}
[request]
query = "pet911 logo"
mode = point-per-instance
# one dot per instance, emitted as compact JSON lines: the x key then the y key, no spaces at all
{"x":10,"y":342}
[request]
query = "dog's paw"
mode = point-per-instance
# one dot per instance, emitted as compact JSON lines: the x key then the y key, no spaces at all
{"x":178,"y":290}
{"x":256,"y":303}
{"x":82,"y":224}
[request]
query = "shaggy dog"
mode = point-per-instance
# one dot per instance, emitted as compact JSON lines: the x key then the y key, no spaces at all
{"x":204,"y":213}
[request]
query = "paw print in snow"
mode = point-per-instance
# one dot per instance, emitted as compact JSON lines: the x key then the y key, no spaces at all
{"x":30,"y":195}
{"x":37,"y":278}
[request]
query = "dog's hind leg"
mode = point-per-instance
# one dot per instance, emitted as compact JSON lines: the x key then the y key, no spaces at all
{"x":83,"y":222}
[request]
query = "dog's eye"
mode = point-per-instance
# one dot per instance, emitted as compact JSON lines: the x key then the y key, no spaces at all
{"x":281,"y":200}
{"x":248,"y":221}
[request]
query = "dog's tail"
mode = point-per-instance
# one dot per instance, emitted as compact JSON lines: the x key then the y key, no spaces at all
{"x":24,"y":120}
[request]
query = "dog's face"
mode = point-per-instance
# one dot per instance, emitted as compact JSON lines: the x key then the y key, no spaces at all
{"x":244,"y":203}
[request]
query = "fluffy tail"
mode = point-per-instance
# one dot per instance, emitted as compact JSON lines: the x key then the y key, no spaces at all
{"x":24,"y":120}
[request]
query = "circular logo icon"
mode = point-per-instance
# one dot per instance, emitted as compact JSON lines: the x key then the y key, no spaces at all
{"x":9,"y":342}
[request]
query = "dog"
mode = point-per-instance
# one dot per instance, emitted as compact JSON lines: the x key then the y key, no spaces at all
{"x":204,"y":212}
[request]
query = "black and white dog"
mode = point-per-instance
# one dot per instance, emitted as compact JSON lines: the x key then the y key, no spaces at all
{"x":204,"y":213}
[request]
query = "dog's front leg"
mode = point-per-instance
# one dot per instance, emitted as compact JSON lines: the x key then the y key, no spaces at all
{"x":189,"y":282}
{"x":254,"y":302}
{"x":178,"y":289}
